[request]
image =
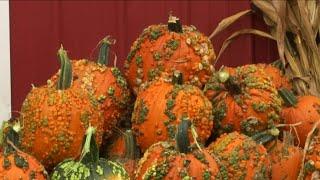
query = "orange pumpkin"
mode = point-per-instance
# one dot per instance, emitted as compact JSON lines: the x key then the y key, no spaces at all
{"x":278,"y":79}
{"x":243,"y":101}
{"x":20,"y":165}
{"x":104,"y":84}
{"x":16,"y":164}
{"x":168,"y":48}
{"x":286,"y":159}
{"x":124,"y":150}
{"x":241,"y":157}
{"x":115,"y":146}
{"x":304,"y":110}
{"x":159,"y":107}
{"x":180,"y":160}
{"x":55,"y":118}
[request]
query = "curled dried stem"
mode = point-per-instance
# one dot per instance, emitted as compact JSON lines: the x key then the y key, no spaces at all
{"x":305,"y":149}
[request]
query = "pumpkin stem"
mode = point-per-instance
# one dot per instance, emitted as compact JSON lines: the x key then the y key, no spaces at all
{"x":278,"y":64}
{"x":266,"y":136}
{"x":3,"y":131}
{"x":230,"y":82}
{"x":177,"y":77}
{"x":130,"y":145}
{"x":105,"y":44}
{"x":288,"y":97}
{"x":90,"y":150}
{"x":12,"y":135}
{"x":174,"y":24}
{"x":65,"y":78}
{"x":182,"y":136}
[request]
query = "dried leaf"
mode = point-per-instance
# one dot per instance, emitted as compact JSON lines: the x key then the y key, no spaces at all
{"x":300,"y":86}
{"x":292,"y":22}
{"x":303,"y":55}
{"x":306,"y":147}
{"x":280,"y":7}
{"x":226,"y":22}
{"x":267,"y":8}
{"x":312,"y":6}
{"x":236,"y":34}
{"x":305,"y":26}
{"x":268,"y":21}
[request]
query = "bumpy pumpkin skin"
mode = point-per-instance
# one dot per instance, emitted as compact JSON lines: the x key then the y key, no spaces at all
{"x":255,"y":108}
{"x":70,"y":169}
{"x":159,"y":108}
{"x":162,"y":161}
{"x":286,"y":161}
{"x":241,"y":156}
{"x":276,"y":76}
{"x":306,"y":111}
{"x":55,"y":121}
{"x":19,"y":165}
{"x":107,"y":85}
{"x":157,"y":50}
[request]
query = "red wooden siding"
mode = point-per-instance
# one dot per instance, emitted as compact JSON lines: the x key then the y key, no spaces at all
{"x":38,"y":28}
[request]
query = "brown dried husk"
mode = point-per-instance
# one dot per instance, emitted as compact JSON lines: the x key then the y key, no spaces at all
{"x":295,"y":25}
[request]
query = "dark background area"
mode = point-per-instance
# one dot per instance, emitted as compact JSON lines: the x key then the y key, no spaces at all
{"x":39,"y":27}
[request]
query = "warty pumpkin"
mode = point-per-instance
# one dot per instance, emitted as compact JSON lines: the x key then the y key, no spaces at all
{"x":241,"y":157}
{"x":105,"y":85}
{"x":177,"y":160}
{"x":89,"y":166}
{"x":302,"y":110}
{"x":168,"y":48}
{"x":275,"y":75}
{"x":16,"y":164}
{"x":162,"y":103}
{"x":55,"y":117}
{"x":243,"y":101}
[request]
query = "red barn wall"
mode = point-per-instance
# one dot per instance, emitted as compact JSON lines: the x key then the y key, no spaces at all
{"x":39,"y":27}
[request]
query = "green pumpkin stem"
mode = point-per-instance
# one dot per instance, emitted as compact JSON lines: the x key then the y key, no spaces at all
{"x":12,"y":136}
{"x":266,"y":136}
{"x":90,"y":149}
{"x":182,"y":136}
{"x":288,"y":97}
{"x":105,"y":45}
{"x":130,"y":145}
{"x":65,"y":78}
{"x":279,"y":64}
{"x":230,"y":82}
{"x":174,"y":24}
{"x":4,"y":126}
{"x":177,"y":78}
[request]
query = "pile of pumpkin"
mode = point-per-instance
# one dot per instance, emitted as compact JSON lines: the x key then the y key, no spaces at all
{"x":188,"y":121}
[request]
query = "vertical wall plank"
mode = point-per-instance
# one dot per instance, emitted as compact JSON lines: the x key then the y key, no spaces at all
{"x":38,"y":29}
{"x":265,"y":50}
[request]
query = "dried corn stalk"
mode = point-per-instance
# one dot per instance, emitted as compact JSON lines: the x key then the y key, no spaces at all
{"x":295,"y":25}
